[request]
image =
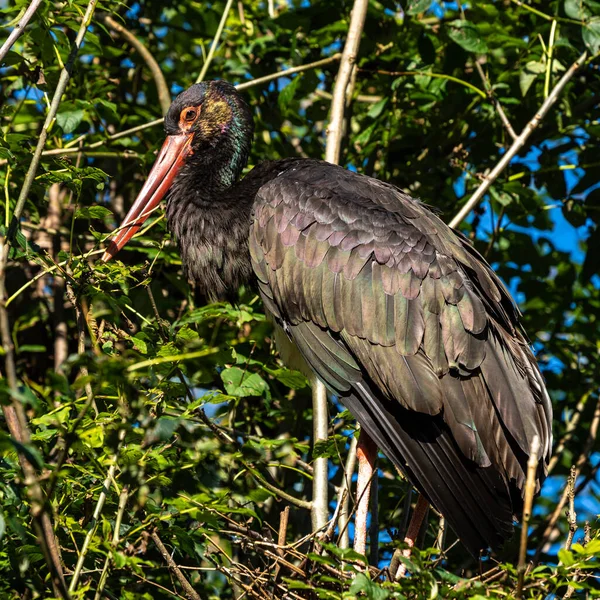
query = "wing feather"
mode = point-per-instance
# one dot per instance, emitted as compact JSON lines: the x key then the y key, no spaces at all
{"x":402,"y":318}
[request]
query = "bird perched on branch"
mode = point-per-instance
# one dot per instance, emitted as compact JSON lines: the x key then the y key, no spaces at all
{"x":395,"y":312}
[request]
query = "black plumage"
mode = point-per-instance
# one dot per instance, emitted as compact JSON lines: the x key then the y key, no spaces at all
{"x":395,"y":312}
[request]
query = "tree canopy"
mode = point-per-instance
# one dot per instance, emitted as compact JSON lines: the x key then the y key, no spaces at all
{"x":152,"y":447}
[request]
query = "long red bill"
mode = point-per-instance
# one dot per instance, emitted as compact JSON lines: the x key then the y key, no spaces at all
{"x":171,"y":157}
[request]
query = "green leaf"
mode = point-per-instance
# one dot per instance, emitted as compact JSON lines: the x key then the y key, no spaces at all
{"x":591,"y":35}
{"x":69,"y":120}
{"x":467,"y":36}
{"x":242,"y":383}
{"x":139,"y":344}
{"x":566,"y":557}
{"x":291,"y":379}
{"x":286,"y":95}
{"x":370,"y":589}
{"x":414,"y":7}
{"x":581,"y":10}
{"x":528,"y":75}
{"x":377,"y":108}
{"x":93,"y":212}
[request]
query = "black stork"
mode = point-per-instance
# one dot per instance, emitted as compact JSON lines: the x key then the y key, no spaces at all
{"x":395,"y":312}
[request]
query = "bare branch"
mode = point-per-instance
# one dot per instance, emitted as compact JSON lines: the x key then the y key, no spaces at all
{"x":215,"y":41}
{"x":288,"y":72}
{"x":190,"y":592}
{"x":241,"y":86}
{"x":319,"y":506}
{"x":336,"y":119}
{"x":164,"y":97}
{"x":16,"y":33}
{"x":517,"y":144}
{"x":96,"y":516}
{"x":532,"y":465}
{"x":570,"y":512}
{"x":124,"y":495}
{"x":332,"y":154}
{"x":344,"y":494}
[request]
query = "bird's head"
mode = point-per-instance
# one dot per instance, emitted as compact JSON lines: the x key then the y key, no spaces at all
{"x":209,"y":131}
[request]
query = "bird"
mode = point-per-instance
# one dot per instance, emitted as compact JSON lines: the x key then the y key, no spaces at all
{"x":396,"y":313}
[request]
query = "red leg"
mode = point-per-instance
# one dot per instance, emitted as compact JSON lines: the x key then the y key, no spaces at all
{"x":366,"y":454}
{"x":412,"y":533}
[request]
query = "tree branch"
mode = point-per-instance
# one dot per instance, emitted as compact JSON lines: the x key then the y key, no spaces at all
{"x":16,"y":33}
{"x":517,"y":144}
{"x":336,"y":119}
{"x":240,"y":86}
{"x":319,"y":506}
{"x":344,"y":494}
{"x":532,"y":465}
{"x":215,"y":41}
{"x":190,"y":592}
{"x":164,"y":96}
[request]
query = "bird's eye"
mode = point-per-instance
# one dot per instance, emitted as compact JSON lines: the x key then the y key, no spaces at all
{"x":190,"y":115}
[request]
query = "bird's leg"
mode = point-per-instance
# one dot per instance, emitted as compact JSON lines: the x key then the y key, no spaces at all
{"x":412,"y":533}
{"x":366,"y":454}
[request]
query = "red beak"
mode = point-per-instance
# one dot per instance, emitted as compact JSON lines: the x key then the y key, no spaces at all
{"x":171,"y":157}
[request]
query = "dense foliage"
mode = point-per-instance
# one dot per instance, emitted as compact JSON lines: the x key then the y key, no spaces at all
{"x":162,"y":430}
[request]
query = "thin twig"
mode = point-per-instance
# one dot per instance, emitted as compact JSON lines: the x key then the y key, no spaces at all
{"x":16,"y":33}
{"x":291,"y":71}
{"x":164,"y":97}
{"x":344,"y":493}
{"x":190,"y":592}
{"x":532,"y":466}
{"x":241,"y":86}
{"x":495,"y":101}
{"x":517,"y":144}
{"x":215,"y":41}
{"x":490,"y":91}
{"x":549,"y":59}
{"x":336,"y":118}
{"x":96,"y":516}
{"x":124,"y":495}
{"x":570,"y":511}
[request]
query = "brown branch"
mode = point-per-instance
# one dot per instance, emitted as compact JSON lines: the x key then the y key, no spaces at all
{"x":532,"y":466}
{"x":341,"y":90}
{"x":344,"y":493}
{"x":570,"y":511}
{"x":164,"y":97}
{"x":518,"y":143}
{"x":190,"y":592}
{"x":17,"y":32}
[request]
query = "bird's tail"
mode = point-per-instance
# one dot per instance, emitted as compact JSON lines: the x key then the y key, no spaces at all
{"x":475,"y":501}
